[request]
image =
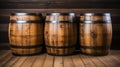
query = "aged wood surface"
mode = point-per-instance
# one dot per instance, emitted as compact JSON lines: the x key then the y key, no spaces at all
{"x":44,"y":60}
{"x":26,"y":4}
{"x":94,"y":37}
{"x":61,"y":36}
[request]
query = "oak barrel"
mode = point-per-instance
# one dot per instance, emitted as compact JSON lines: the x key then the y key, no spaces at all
{"x":60,"y":33}
{"x":95,"y":33}
{"x":26,"y":33}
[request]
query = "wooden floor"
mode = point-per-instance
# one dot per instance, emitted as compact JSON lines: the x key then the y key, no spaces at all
{"x":44,"y":60}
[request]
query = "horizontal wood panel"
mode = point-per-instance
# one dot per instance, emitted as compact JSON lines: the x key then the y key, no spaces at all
{"x":4,"y":46}
{"x":4,"y":37}
{"x":59,"y":1}
{"x":115,"y":43}
{"x":3,"y":27}
{"x":115,"y":19}
{"x":4,"y":19}
{"x":7,"y":12}
{"x":28,"y":4}
{"x":59,"y":4}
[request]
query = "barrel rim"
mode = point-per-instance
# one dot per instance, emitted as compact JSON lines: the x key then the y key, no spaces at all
{"x":25,"y":21}
{"x":88,"y":22}
{"x":87,"y":14}
{"x":24,"y":14}
{"x":54,"y":14}
{"x":59,"y":22}
{"x":95,"y":14}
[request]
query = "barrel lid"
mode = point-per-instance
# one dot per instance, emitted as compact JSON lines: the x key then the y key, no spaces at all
{"x":57,"y":14}
{"x":95,"y":14}
{"x":87,"y":22}
{"x":22,"y":14}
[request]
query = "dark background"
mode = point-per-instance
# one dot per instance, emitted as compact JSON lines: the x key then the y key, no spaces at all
{"x":47,"y":6}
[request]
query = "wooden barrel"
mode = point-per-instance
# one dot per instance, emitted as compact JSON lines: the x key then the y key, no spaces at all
{"x":25,"y":17}
{"x":26,"y":33}
{"x":95,"y":33}
{"x":60,"y":33}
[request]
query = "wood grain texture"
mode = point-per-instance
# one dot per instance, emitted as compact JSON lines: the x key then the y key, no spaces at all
{"x":3,"y":54}
{"x":70,"y":63}
{"x":7,"y":56}
{"x":60,"y":0}
{"x":104,"y":60}
{"x":58,"y":4}
{"x":12,"y":61}
{"x":95,"y":35}
{"x":30,"y":18}
{"x":61,"y":36}
{"x":97,"y":62}
{"x":49,"y":61}
{"x":87,"y":62}
{"x":28,"y":34}
{"x":29,"y":61}
{"x":78,"y":62}
{"x":114,"y":11}
{"x":39,"y":61}
{"x":44,"y":60}
{"x":19,"y":62}
{"x":95,"y":17}
{"x":58,"y":61}
{"x":66,"y":38}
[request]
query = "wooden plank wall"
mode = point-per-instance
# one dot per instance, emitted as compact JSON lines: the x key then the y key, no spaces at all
{"x":47,"y":6}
